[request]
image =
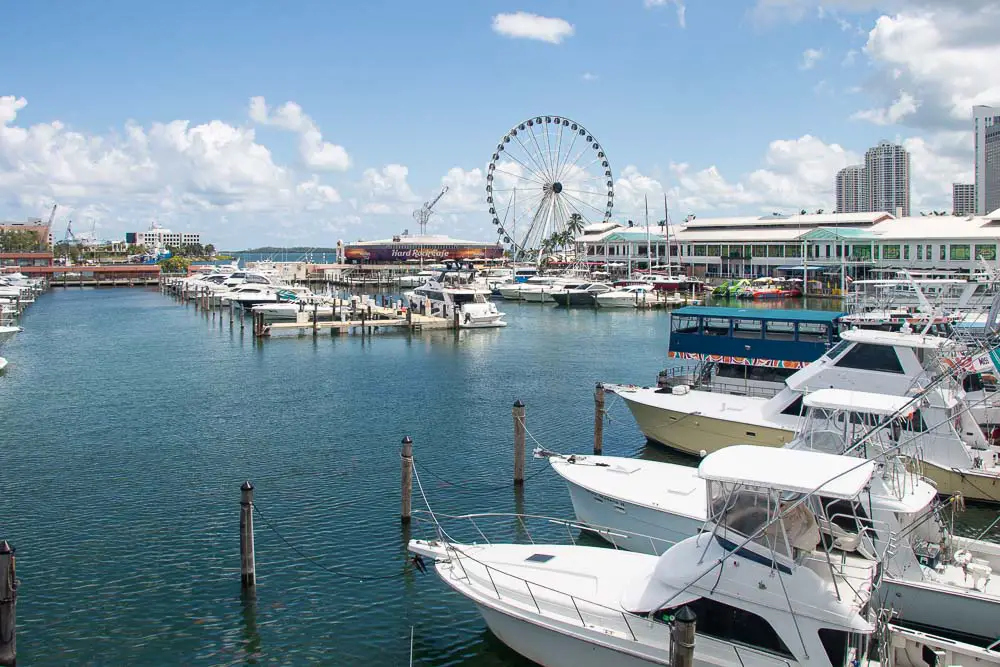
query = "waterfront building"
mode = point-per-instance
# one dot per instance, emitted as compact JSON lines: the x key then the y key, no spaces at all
{"x":158,"y":236}
{"x":851,"y":189}
{"x":986,"y":121}
{"x":963,"y":199}
{"x":757,"y":246}
{"x":41,"y":230}
{"x":406,"y":248}
{"x":887,"y":176}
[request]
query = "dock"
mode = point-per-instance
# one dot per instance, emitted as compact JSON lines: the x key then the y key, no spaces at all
{"x":351,"y":314}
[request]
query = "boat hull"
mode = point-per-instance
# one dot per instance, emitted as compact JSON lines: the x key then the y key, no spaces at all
{"x":551,"y":648}
{"x":972,"y":486}
{"x":663,"y":527}
{"x":924,"y":605}
{"x":571,"y":299}
{"x":695,"y":434}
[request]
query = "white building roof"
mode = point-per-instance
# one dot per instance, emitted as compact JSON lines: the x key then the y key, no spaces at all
{"x":782,"y":469}
{"x":429,"y":239}
{"x":807,"y":220}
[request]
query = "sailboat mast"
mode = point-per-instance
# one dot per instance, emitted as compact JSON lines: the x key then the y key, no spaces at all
{"x":649,"y":255}
{"x":666,"y":228}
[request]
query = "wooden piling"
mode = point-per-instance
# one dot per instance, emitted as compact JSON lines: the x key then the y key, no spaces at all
{"x":599,"y":419}
{"x":248,"y":567}
{"x":315,"y":318}
{"x":682,"y":633}
{"x":407,"y":477}
{"x":8,"y":606}
{"x":519,"y":432}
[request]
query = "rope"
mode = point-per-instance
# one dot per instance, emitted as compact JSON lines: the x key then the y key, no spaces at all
{"x":315,"y":562}
{"x":485,"y":489}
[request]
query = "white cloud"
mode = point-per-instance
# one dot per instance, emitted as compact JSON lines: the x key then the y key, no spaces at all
{"x":850,"y":57}
{"x":466,"y":191}
{"x":679,"y":4}
{"x":810,"y":57}
{"x":523,"y":25}
{"x":589,"y":76}
{"x":189,"y":175}
{"x":904,"y":106}
{"x":316,"y":153}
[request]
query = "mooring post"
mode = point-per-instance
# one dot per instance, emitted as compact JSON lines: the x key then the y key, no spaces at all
{"x":248,"y":567}
{"x":409,"y":317}
{"x":455,"y":318}
{"x":519,"y":432}
{"x":315,"y":318}
{"x":8,"y":606}
{"x":682,"y":638}
{"x":407,"y":476}
{"x":599,"y":418}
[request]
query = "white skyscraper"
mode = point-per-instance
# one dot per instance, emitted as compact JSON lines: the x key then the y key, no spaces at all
{"x":987,"y":131}
{"x":850,"y":187}
{"x":963,"y":198}
{"x":887,"y":173}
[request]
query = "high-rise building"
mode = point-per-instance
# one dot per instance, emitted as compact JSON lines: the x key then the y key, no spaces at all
{"x":850,"y":186}
{"x":887,"y":173}
{"x":987,"y":130}
{"x":963,"y":198}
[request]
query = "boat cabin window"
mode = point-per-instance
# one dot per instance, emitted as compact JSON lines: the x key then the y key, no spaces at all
{"x":972,"y":382}
{"x":880,"y":358}
{"x":780,"y":331}
{"x":731,"y":624}
{"x":814,"y":332}
{"x":716,"y":326}
{"x":463,"y":298}
{"x":684,"y":324}
{"x":838,"y":349}
{"x":747,"y":328}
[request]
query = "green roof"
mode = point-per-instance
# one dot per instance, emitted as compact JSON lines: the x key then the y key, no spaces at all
{"x":766,"y":314}
{"x":833,"y":233}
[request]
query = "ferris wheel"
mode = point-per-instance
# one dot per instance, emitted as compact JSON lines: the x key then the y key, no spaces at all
{"x":548,"y":178}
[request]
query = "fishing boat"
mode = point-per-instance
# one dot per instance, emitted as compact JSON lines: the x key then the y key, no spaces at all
{"x":956,"y":454}
{"x":763,"y":589}
{"x":934,"y":580}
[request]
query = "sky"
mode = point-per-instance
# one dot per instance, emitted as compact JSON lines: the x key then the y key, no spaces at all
{"x":303,"y":123}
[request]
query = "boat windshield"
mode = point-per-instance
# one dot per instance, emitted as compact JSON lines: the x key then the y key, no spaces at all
{"x":460,"y":298}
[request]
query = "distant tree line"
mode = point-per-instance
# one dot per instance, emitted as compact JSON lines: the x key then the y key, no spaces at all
{"x":20,"y":240}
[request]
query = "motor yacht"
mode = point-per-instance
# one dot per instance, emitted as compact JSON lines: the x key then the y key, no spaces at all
{"x":956,"y":454}
{"x":581,"y":295}
{"x":630,"y":296}
{"x":934,"y":580}
{"x":456,"y":292}
{"x":762,"y":588}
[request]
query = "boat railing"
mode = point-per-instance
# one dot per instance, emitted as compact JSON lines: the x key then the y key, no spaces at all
{"x":513,"y":527}
{"x":546,"y":601}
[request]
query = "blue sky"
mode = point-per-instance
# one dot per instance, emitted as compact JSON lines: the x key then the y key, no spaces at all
{"x":726,"y":111}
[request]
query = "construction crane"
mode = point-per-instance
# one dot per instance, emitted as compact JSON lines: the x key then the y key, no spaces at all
{"x":423,"y":214}
{"x":52,"y":216}
{"x":70,"y":236}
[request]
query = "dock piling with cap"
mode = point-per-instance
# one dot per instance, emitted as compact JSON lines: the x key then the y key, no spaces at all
{"x":599,"y":418}
{"x":407,"y":480}
{"x":248,"y":565}
{"x":520,"y":430}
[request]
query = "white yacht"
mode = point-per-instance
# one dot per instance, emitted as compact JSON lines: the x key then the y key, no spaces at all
{"x":933,"y":579}
{"x":7,"y":331}
{"x":955,"y":453}
{"x":459,"y":292}
{"x":630,"y":296}
{"x":762,"y":591}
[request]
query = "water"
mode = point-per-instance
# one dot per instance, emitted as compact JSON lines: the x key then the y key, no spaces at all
{"x":129,"y":422}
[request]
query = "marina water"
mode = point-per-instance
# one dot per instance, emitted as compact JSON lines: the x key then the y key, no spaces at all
{"x":130,"y":421}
